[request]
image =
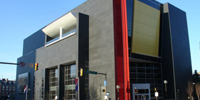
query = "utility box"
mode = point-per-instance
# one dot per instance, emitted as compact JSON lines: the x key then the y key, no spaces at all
{"x":101,"y":93}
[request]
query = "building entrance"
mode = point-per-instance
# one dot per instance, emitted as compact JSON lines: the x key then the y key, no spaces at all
{"x":141,"y":91}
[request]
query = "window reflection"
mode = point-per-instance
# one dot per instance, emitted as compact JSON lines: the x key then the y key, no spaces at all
{"x":73,"y":71}
{"x":69,"y":82}
{"x":53,"y":83}
{"x":56,"y":72}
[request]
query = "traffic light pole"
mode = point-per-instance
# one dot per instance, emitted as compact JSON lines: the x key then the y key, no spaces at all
{"x":105,"y":74}
{"x":9,"y":63}
{"x":95,"y":73}
{"x":21,"y":63}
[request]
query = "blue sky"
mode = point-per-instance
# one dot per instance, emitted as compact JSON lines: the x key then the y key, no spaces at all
{"x":19,"y":19}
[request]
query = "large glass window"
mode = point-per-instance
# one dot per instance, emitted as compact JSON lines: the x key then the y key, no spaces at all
{"x":53,"y":84}
{"x":147,"y":73}
{"x":69,"y":82}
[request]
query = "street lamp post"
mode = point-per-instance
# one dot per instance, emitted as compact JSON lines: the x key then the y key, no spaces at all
{"x":194,"y":95}
{"x":118,"y":91}
{"x":165,"y":82}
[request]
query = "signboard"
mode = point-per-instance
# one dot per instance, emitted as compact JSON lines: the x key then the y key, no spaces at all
{"x":23,"y":80}
{"x":90,"y":72}
{"x":105,"y":97}
{"x":70,"y":87}
{"x":105,"y":83}
{"x":22,"y":64}
{"x":156,"y":94}
{"x":107,"y":93}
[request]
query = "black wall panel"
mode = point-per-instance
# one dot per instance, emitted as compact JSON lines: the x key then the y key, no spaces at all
{"x":167,"y":61}
{"x":83,"y":53}
{"x":176,"y":60}
{"x":181,"y":50}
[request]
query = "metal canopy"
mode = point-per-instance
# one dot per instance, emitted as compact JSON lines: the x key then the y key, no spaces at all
{"x":66,"y":22}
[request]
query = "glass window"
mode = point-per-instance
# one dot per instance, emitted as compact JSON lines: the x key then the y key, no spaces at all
{"x":72,"y":30}
{"x":56,"y":72}
{"x":53,"y":83}
{"x":69,"y":82}
{"x":73,"y":70}
{"x":43,"y":73}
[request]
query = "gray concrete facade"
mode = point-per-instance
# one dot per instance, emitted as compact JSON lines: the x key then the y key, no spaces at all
{"x":101,"y":47}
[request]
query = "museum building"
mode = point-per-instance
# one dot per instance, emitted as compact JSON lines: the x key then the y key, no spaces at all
{"x":133,"y":47}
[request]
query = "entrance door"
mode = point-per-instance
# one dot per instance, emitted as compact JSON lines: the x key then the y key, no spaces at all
{"x":141,"y":97}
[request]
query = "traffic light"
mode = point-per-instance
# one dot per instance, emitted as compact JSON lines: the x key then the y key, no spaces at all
{"x":104,"y":90}
{"x":155,"y":89}
{"x":81,"y":72}
{"x":36,"y":66}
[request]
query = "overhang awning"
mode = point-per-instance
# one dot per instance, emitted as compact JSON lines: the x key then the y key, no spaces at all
{"x":66,"y":22}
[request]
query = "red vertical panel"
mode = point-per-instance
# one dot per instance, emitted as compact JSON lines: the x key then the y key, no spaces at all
{"x":125,"y":50}
{"x":121,"y":49}
{"x":119,"y":73}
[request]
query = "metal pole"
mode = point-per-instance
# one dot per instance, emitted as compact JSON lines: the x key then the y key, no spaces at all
{"x":117,"y":91}
{"x":106,"y":80}
{"x":117,"y":94}
{"x":100,"y":92}
{"x":78,"y":88}
{"x":165,"y":82}
{"x":26,"y":92}
{"x":9,"y":63}
{"x":166,"y":90}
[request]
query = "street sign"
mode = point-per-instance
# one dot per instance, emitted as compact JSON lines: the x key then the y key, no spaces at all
{"x":107,"y":93}
{"x":105,"y":97}
{"x":91,"y":72}
{"x":22,"y":64}
{"x":105,"y":83}
{"x":156,"y":94}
